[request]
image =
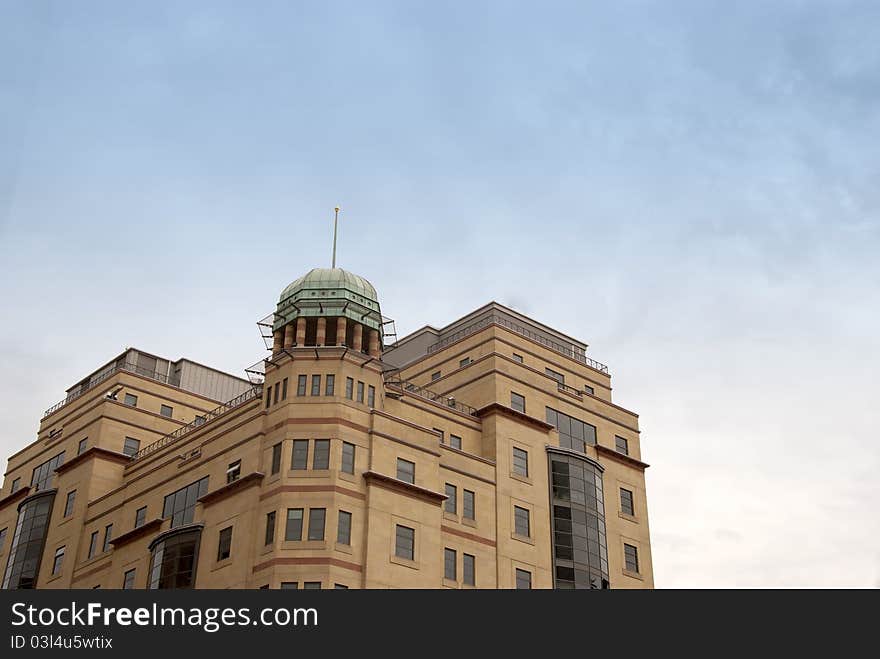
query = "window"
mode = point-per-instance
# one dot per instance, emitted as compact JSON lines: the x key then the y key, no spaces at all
{"x":294,"y":529}
{"x":3,"y":538}
{"x":630,"y":556}
{"x":180,"y":506}
{"x":166,"y":411}
{"x":626,"y":502}
{"x":93,"y":543}
{"x":330,"y":385}
{"x":405,"y":542}
{"x":349,"y":388}
{"x":340,"y":586}
{"x":82,"y":445}
{"x":455,"y":441}
{"x":224,"y":546}
{"x":517,"y":358}
{"x":58,"y":561}
{"x":518,"y":402}
{"x":556,"y":375}
{"x":573,"y":433}
{"x":464,"y":362}
{"x":371,"y":396}
{"x":317,"y":517}
{"x":276,"y":458}
{"x":264,"y":587}
{"x":441,"y":433}
{"x":312,"y":585}
{"x":321,"y":456}
{"x":140,"y":516}
{"x":347,"y":458}
{"x":300,"y":454}
{"x":360,"y":392}
{"x":108,"y":536}
{"x":621,"y":444}
{"x":68,"y":505}
{"x":301,"y":385}
{"x":469,"y":571}
{"x":284,"y":389}
{"x":451,"y":504}
{"x":131,"y":446}
{"x":233,"y":471}
{"x":406,"y":471}
{"x":588,"y":389}
{"x":435,"y":375}
{"x":316,"y":385}
{"x":521,"y":522}
{"x":128,"y":580}
{"x":289,"y":585}
{"x":173,"y":561}
{"x":449,"y":561}
{"x":199,"y":419}
{"x":343,"y":530}
{"x":523,"y":579}
{"x":268,"y":397}
{"x":468,"y":505}
{"x":270,"y":528}
{"x":520,"y":462}
{"x":44,"y":474}
{"x":277,"y":393}
{"x":16,"y":484}
{"x":131,"y":399}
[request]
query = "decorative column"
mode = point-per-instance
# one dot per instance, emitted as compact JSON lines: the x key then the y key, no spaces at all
{"x":341,"y":324}
{"x":321,"y":336}
{"x":288,"y":336}
{"x":278,"y":339}
{"x":374,"y":343}
{"x":357,"y":341}
{"x":300,"y":331}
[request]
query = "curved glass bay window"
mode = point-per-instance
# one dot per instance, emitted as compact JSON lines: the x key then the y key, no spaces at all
{"x":26,"y":550}
{"x":580,"y":550}
{"x":174,"y":556}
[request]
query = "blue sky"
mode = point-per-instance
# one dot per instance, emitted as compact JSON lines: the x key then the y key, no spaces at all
{"x":689,"y":187}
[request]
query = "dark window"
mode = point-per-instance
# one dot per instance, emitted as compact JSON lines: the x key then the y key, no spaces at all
{"x":523,"y":579}
{"x":321,"y":456}
{"x":520,"y":462}
{"x":449,"y":561}
{"x":406,"y":470}
{"x":311,"y":585}
{"x":276,"y":458}
{"x":371,"y":396}
{"x":108,"y":536}
{"x":166,"y":410}
{"x":58,"y":561}
{"x":93,"y":543}
{"x":451,"y":503}
{"x":294,"y":529}
{"x":277,"y":394}
{"x":588,"y":389}
{"x":441,"y":433}
{"x":360,"y":392}
{"x":330,"y":385}
{"x":82,"y":446}
{"x":435,"y":375}
{"x":140,"y":516}
{"x":316,"y":385}
{"x":348,"y":458}
{"x":26,"y":547}
{"x":264,"y":587}
{"x":284,"y":389}
{"x":233,"y":471}
{"x":521,"y":521}
{"x":349,"y":388}
{"x":316,"y":523}
{"x":268,"y":397}
{"x":343,"y":531}
{"x":300,"y":454}
{"x":128,"y":580}
{"x":68,"y":505}
{"x":517,"y":358}
{"x":455,"y":441}
{"x":131,"y":446}
{"x":270,"y":528}
{"x":621,"y":445}
{"x":573,"y":433}
{"x":518,"y":402}
{"x":464,"y":362}
{"x":131,"y":399}
{"x":631,"y":557}
{"x":289,"y":585}
{"x":44,"y":474}
{"x":224,"y":546}
{"x":173,"y":561}
{"x":16,"y":483}
{"x":468,"y":505}
{"x":340,"y":586}
{"x":301,"y":385}
{"x":180,"y":506}
{"x":556,"y":375}
{"x":405,"y":542}
{"x":626,"y":502}
{"x":469,"y":572}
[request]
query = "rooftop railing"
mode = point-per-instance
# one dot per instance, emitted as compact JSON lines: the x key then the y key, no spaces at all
{"x":255,"y":393}
{"x":523,"y":331}
{"x":446,"y":401}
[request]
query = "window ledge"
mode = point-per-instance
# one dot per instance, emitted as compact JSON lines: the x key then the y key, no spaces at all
{"x":345,"y":476}
{"x":405,"y":562}
{"x":450,"y":516}
{"x":523,"y":538}
{"x":634,"y":575}
{"x":631,"y":518}
{"x":219,"y":565}
{"x":523,"y":479}
{"x":467,"y":521}
{"x":345,"y":549}
{"x":310,"y":473}
{"x":449,"y":583}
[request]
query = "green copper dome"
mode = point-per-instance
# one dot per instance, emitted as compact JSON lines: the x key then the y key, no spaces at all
{"x":319,"y":279}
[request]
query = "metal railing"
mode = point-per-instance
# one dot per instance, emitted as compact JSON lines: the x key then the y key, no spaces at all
{"x":251,"y":394}
{"x":523,"y":331}
{"x":95,"y":381}
{"x":446,"y":401}
{"x":569,"y":390}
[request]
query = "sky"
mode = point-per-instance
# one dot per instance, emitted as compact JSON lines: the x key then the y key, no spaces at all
{"x":692,"y":188}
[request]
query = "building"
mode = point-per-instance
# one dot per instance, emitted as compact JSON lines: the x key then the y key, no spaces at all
{"x":485,"y":454}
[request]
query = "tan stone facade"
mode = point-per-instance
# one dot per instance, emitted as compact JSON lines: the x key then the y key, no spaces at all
{"x":440,"y":400}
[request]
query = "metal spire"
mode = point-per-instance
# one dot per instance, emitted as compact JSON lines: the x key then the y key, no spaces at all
{"x":335,"y":226}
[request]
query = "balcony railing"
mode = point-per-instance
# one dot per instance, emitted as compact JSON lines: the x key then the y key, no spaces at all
{"x":569,"y":390}
{"x":523,"y":331}
{"x":199,"y":421}
{"x":446,"y":401}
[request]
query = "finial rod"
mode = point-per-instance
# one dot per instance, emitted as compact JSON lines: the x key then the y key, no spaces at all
{"x":335,"y":227}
